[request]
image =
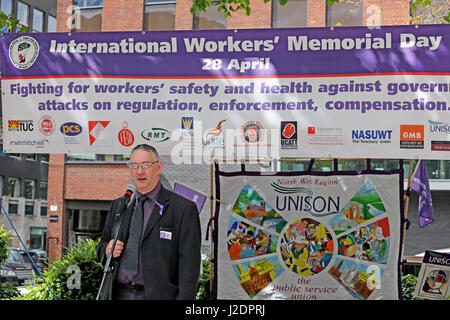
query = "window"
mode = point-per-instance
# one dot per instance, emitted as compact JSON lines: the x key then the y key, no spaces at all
{"x":31,"y":156}
{"x":159,"y":15}
{"x":45,"y":157}
{"x":88,"y":15}
{"x":37,"y":237}
{"x":211,"y":19}
{"x":51,"y":24}
{"x":43,"y":189}
{"x":14,"y":187}
{"x":22,"y":13}
{"x":6,"y":6}
{"x":97,"y":157}
{"x":292,"y":15}
{"x":13,"y":207}
{"x":345,"y":13}
{"x":29,"y":209}
{"x":38,"y":20}
{"x":43,"y":211}
{"x":29,"y":189}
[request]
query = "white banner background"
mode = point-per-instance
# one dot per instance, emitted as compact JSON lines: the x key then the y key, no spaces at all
{"x":153,"y":109}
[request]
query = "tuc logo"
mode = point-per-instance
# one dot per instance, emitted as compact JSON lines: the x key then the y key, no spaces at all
{"x":412,"y":136}
{"x":70,"y":129}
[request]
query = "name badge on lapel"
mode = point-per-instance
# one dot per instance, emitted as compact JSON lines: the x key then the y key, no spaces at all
{"x":165,"y":235}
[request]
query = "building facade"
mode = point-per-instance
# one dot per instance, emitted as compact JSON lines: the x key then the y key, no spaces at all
{"x":24,"y":177}
{"x":81,"y":186}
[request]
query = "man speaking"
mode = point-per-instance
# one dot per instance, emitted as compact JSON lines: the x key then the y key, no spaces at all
{"x":157,"y":253}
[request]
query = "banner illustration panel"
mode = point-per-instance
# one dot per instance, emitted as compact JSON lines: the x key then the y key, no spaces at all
{"x":306,"y":237}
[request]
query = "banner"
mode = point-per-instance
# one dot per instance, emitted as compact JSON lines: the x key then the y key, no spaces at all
{"x":434,"y":275}
{"x":299,"y":236}
{"x":421,"y":185}
{"x":307,"y":92}
{"x":190,"y":194}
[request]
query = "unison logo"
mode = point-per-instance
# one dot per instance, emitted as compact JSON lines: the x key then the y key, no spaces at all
{"x":317,"y":206}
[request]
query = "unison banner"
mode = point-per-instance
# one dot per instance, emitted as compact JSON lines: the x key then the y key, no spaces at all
{"x":301,"y":236}
{"x":314,"y":92}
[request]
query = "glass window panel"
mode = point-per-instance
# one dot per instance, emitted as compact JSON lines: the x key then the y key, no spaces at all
{"x":94,"y":3}
{"x":29,"y":210}
{"x":30,"y":156}
{"x":29,"y":189}
{"x":345,"y":13}
{"x":90,"y":20}
{"x":22,"y":13}
{"x":6,"y":6}
{"x":51,"y":24}
{"x":45,"y":157}
{"x":211,"y":19}
{"x":43,"y":211}
{"x":89,"y":3}
{"x":13,"y":208}
{"x":352,"y":165}
{"x":292,"y":15}
{"x":97,"y":157}
{"x":13,"y":187}
{"x":385,"y":164}
{"x":159,"y":17}
{"x":38,"y":21}
{"x":43,"y":189}
{"x":286,"y":165}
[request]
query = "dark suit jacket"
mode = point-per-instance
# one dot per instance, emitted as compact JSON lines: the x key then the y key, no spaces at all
{"x":171,"y":267}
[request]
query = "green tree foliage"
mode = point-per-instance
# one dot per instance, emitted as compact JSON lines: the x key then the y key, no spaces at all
{"x":6,"y":290}
{"x":7,"y":21}
{"x":76,"y":276}
{"x":227,"y":7}
{"x":4,"y":241}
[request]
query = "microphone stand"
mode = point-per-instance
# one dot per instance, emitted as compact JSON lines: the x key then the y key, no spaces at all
{"x":107,"y":269}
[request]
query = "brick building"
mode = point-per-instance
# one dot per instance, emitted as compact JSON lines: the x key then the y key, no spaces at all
{"x":23,"y":177}
{"x":81,"y":186}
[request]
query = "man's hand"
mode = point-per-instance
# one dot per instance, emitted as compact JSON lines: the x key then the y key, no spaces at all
{"x":117,"y":249}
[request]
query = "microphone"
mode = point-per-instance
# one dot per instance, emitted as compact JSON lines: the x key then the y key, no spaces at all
{"x":126,"y":199}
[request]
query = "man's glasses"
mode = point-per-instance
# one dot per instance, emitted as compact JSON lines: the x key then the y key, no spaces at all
{"x":143,"y":165}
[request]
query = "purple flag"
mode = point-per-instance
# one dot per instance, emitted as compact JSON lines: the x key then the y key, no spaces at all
{"x":422,"y":187}
{"x":190,"y":194}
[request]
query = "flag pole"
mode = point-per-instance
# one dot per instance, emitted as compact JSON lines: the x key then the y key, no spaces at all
{"x":407,"y":196}
{"x":211,"y":248}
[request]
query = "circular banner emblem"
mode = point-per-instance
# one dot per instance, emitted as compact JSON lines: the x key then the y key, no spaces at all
{"x":46,"y":125}
{"x":23,"y":52}
{"x":126,"y":137}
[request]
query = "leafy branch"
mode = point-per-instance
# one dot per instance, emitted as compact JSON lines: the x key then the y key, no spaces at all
{"x":228,"y":7}
{"x":8,"y":23}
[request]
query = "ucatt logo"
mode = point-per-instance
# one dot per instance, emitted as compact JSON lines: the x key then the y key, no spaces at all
{"x":23,"y":52}
{"x":289,"y":139}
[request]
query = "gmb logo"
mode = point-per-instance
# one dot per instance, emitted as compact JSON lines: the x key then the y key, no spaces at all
{"x":70,"y":129}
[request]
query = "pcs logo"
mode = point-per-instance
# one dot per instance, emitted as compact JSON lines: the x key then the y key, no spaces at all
{"x":70,"y":129}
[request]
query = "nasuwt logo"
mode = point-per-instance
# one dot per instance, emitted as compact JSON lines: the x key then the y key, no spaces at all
{"x":23,"y":52}
{"x":70,"y":129}
{"x":371,"y":136}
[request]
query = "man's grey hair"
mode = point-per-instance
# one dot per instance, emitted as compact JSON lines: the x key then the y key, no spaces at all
{"x":147,"y":148}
